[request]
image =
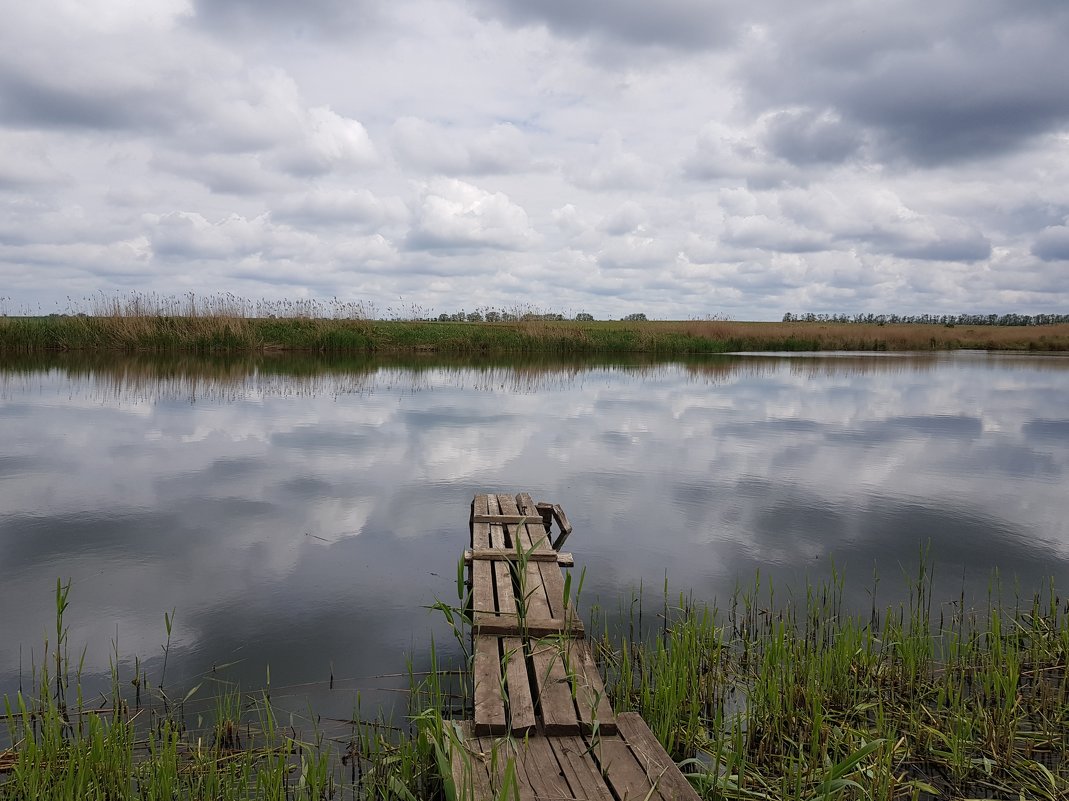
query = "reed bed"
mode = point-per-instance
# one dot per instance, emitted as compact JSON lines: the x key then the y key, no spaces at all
{"x":770,"y":698}
{"x":230,"y":324}
{"x":799,"y":699}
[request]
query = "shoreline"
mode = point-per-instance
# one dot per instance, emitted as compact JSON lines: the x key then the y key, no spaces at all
{"x":225,"y":334}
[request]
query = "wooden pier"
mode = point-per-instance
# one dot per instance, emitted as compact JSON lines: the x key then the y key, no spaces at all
{"x":543,"y":728}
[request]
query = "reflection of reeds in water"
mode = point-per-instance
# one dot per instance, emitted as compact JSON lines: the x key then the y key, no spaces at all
{"x":177,"y":376}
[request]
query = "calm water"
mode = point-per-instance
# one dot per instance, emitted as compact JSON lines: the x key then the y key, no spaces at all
{"x":300,"y":515}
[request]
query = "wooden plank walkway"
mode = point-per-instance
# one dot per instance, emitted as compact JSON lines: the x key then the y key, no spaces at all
{"x":543,"y":723}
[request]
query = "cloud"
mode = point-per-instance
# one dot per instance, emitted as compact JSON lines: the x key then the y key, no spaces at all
{"x":188,"y":235}
{"x":326,"y":142}
{"x":1052,"y":244}
{"x":439,"y":149}
{"x":932,"y":86}
{"x":609,"y":166}
{"x":855,"y":157}
{"x":759,"y":231}
{"x":454,"y":214}
{"x":670,"y":23}
{"x":25,"y":161}
{"x":724,"y":154}
{"x":627,"y":218}
{"x":806,"y":136}
{"x":309,"y":19}
{"x":358,"y":208}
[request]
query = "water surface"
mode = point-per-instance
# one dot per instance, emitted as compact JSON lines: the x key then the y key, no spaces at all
{"x":300,"y":513}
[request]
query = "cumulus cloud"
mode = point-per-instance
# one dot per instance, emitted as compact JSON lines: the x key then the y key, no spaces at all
{"x":609,"y":165}
{"x":436,"y":148}
{"x":759,"y":231}
{"x":359,"y":208}
{"x":454,"y":214}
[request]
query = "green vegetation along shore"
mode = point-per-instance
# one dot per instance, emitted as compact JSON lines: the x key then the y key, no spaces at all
{"x":792,"y":700}
{"x":222,"y":333}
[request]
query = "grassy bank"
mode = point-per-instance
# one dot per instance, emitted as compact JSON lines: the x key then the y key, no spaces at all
{"x":769,"y":698}
{"x":223,"y":333}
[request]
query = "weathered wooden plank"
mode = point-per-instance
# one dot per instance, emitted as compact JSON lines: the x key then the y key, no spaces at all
{"x":489,"y":703}
{"x":480,"y":532}
{"x":518,"y":701}
{"x":543,"y":773}
{"x":591,"y":700}
{"x":531,"y":536}
{"x":520,"y":705}
{"x":552,"y":687}
{"x":579,"y":769}
{"x":501,"y":624}
{"x":536,"y":605}
{"x":563,"y":524}
{"x":499,"y":752}
{"x":482,"y":588}
{"x":470,"y":775}
{"x":671,"y":783}
{"x":510,"y":519}
{"x":508,"y":555}
{"x":623,"y":773}
{"x":550,"y":575}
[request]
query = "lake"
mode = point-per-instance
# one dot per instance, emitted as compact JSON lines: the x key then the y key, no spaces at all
{"x":299,"y":515}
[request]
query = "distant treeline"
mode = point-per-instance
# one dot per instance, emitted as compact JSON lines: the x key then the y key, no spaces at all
{"x":930,"y":319}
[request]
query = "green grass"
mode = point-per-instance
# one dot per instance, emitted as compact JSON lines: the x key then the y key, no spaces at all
{"x":802,"y":700}
{"x":771,"y":698}
{"x":215,"y":329}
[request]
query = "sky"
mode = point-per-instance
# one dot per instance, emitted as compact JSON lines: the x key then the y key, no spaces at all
{"x":683,"y":159}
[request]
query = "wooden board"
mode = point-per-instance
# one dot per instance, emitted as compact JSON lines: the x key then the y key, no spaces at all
{"x":591,"y":701}
{"x":489,"y":702}
{"x":486,"y":663}
{"x":471,"y":778}
{"x":520,"y":702}
{"x":623,"y":773}
{"x":553,"y":690}
{"x":489,"y":624}
{"x":580,"y":770}
{"x":550,"y":575}
{"x":507,"y":555}
{"x":535,"y":519}
{"x":539,"y":764}
{"x":536,"y":605}
{"x":649,"y":752}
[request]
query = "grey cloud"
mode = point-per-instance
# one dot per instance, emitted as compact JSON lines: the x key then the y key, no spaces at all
{"x":54,"y":101}
{"x":955,"y":249}
{"x":1052,"y":244}
{"x":759,"y":231}
{"x":807,"y":136}
{"x":358,"y":208}
{"x":934,"y":88}
{"x":690,"y":24}
{"x":286,"y":18}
